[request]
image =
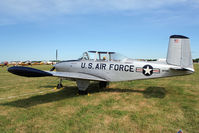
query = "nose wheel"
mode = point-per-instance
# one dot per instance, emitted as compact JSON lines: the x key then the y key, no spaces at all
{"x":59,"y":86}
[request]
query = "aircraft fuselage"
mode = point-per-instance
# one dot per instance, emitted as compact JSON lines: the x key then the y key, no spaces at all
{"x":112,"y":71}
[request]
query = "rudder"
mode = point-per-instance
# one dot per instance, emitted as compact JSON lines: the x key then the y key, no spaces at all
{"x":179,"y":52}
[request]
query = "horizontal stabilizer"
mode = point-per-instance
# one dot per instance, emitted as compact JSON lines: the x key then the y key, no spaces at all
{"x":182,"y":69}
{"x":28,"y":72}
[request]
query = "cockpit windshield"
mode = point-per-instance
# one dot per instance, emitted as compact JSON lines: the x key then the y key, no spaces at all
{"x":102,"y":56}
{"x":118,"y":57}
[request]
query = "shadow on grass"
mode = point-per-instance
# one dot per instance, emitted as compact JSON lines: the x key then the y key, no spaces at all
{"x":150,"y":92}
{"x":69,"y":92}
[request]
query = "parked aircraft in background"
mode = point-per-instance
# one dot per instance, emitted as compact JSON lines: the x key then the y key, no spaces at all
{"x":111,"y":67}
{"x":5,"y":63}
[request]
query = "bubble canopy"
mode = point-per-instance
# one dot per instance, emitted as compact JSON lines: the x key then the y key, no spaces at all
{"x":102,"y":56}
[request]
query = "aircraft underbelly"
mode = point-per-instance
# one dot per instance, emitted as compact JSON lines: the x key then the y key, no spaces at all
{"x":122,"y":76}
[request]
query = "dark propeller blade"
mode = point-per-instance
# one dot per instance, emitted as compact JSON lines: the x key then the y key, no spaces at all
{"x":52,"y":69}
{"x":28,"y":72}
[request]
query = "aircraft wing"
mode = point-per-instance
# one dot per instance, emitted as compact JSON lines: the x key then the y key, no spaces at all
{"x":32,"y":72}
{"x":73,"y":75}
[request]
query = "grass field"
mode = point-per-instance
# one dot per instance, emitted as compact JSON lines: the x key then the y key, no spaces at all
{"x":149,"y":106}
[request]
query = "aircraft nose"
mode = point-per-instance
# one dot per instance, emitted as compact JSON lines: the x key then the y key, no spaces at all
{"x":56,"y":66}
{"x":62,"y":66}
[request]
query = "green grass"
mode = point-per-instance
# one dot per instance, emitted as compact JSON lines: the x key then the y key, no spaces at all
{"x":157,"y":105}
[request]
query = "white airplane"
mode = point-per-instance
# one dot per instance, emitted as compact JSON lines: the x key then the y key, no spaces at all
{"x":108,"y":67}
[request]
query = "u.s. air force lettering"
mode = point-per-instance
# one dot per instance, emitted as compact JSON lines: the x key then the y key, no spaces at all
{"x":103,"y":66}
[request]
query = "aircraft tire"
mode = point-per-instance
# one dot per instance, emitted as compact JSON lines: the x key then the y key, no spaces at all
{"x":103,"y":84}
{"x":80,"y":92}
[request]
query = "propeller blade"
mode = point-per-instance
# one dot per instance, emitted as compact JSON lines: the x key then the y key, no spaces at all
{"x":52,"y":69}
{"x":28,"y":71}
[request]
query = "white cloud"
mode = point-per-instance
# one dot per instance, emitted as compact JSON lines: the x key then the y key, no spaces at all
{"x":37,"y":9}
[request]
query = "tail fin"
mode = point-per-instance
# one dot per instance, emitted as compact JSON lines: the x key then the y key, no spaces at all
{"x":179,"y":52}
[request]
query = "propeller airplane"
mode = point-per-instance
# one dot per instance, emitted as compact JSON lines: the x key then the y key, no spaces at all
{"x":108,"y":67}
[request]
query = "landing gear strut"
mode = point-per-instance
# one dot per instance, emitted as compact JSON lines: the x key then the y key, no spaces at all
{"x":59,"y":86}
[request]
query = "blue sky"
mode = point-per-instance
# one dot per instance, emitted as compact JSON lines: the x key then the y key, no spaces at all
{"x":34,"y":29}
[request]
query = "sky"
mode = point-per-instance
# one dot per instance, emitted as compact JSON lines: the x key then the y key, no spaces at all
{"x":34,"y":29}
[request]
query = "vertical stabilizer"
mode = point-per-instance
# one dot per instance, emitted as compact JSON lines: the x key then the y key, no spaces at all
{"x":179,"y":52}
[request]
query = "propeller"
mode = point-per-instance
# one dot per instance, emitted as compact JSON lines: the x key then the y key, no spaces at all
{"x":52,"y":69}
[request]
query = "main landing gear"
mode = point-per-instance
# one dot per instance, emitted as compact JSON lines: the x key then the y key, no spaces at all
{"x":103,"y":84}
{"x":82,"y":86}
{"x":80,"y":92}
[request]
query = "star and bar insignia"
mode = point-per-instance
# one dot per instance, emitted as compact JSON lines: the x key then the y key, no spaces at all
{"x":148,"y":70}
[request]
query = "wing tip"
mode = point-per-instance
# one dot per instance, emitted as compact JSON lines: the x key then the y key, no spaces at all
{"x":28,"y":71}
